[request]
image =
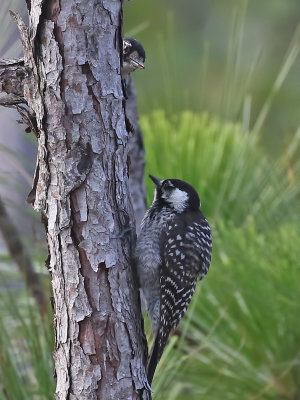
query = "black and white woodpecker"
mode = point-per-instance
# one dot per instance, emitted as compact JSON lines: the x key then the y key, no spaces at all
{"x":173,"y":251}
{"x":133,"y":56}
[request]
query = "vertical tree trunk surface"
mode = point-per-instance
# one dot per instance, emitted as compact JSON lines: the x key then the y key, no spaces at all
{"x":73,"y":86}
{"x":136,"y":154}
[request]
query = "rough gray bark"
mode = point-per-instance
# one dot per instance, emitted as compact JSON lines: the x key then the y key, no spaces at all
{"x":136,"y":153}
{"x":12,"y":74}
{"x":73,"y":88}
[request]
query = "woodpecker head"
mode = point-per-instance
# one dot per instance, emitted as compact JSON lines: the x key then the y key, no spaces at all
{"x":133,"y":56}
{"x":176,"y":194}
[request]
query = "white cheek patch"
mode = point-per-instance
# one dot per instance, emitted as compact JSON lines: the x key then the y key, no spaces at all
{"x":126,"y":45}
{"x":178,"y":199}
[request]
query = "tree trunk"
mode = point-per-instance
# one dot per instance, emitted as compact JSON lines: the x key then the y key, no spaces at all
{"x":136,"y":154}
{"x":73,"y":87}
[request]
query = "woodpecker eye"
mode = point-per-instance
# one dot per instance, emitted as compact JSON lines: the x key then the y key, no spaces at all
{"x":167,"y":185}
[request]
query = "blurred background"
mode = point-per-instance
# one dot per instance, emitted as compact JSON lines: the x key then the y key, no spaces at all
{"x":219,"y":107}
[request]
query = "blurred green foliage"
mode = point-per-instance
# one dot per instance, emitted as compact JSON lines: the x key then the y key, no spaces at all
{"x":219,"y":56}
{"x":240,"y":338}
{"x":26,"y":344}
{"x":234,"y":176}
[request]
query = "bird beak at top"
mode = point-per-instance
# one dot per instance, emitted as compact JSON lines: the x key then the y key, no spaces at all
{"x":157,"y":181}
{"x":138,"y":64}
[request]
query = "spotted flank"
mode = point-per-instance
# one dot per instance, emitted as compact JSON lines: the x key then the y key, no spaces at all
{"x":186,"y":257}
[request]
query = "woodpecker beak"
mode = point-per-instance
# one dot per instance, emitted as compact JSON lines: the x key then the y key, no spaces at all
{"x":138,"y":64}
{"x":157,"y":181}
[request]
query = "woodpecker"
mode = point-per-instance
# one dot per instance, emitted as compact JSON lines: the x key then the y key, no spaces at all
{"x":133,"y":56}
{"x":173,"y":251}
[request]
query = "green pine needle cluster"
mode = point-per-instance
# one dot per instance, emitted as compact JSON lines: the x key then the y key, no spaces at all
{"x":26,"y":345}
{"x":235,"y":179}
{"x":240,"y":338}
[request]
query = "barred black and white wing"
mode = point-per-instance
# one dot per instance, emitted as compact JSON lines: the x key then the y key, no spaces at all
{"x":185,"y":254}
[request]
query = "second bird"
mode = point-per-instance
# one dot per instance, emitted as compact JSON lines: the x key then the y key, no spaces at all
{"x":133,"y":56}
{"x":173,"y":251}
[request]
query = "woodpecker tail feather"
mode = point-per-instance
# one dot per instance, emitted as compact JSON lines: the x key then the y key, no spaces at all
{"x":159,"y":344}
{"x":155,"y":355}
{"x":153,"y":361}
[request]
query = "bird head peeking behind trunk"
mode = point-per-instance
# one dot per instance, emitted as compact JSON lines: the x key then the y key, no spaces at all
{"x":133,"y":56}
